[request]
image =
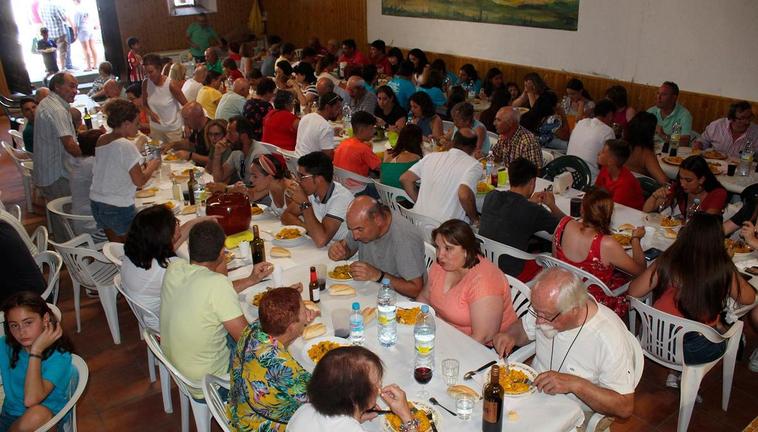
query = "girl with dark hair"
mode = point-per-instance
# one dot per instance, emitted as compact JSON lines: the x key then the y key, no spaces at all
{"x":424,"y":115}
{"x":457,"y":95}
{"x":388,"y":111}
{"x":546,"y":123}
{"x":404,"y":155}
{"x":640,"y":134}
{"x":283,"y":75}
{"x":624,"y":113}
{"x":270,"y":179}
{"x":492,"y":81}
{"x":468,"y":77}
{"x":513,"y":90}
{"x":498,"y":99}
{"x":695,"y":181}
{"x":693,"y":279}
{"x":35,"y":363}
{"x":345,"y":385}
{"x":395,"y":57}
{"x":534,"y":86}
{"x":588,"y":245}
{"x":419,"y":60}
{"x":280,"y":124}
{"x":465,"y":288}
{"x":449,"y":78}
{"x":578,"y":103}
{"x":153,"y":237}
{"x":306,"y":83}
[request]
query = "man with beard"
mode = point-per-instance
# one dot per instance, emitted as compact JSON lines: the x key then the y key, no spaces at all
{"x":582,"y":348}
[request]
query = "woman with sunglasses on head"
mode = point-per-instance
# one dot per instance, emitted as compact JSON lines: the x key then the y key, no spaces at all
{"x":270,"y":178}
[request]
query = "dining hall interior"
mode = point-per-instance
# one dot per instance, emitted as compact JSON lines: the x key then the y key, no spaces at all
{"x":693,"y":50}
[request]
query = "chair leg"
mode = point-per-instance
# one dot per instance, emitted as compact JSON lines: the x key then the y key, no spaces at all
{"x":202,"y":416}
{"x":168,"y":404}
{"x":77,"y":304}
{"x":151,"y":365}
{"x":184,"y":402}
{"x":689,"y":385}
{"x":729,"y":359}
{"x":28,"y":193}
{"x":107,"y":295}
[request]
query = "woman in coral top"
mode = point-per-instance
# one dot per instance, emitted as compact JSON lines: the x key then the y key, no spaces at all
{"x":586,"y":244}
{"x":465,"y":288}
{"x":692,"y":279}
{"x":280,"y":125}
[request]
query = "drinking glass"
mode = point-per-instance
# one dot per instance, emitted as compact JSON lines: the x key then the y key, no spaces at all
{"x":464,"y":405}
{"x":450,"y":371}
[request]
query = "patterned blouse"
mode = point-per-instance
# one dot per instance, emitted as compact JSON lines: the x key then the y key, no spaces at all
{"x":521,"y":144}
{"x":254,"y":111}
{"x":267,"y":384}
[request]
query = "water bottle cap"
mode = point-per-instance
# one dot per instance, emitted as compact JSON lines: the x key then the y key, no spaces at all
{"x":385,"y":281}
{"x":425,"y":308}
{"x":356,"y":306}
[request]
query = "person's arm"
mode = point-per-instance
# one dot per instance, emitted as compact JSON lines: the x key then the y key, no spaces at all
{"x":69,"y":143}
{"x":686,"y":129}
{"x":321,"y":232}
{"x":642,"y":285}
{"x":340,"y":251}
{"x":222,"y":172}
{"x":141,"y":176}
{"x":176,"y":92}
{"x":235,"y":326}
{"x":521,"y":100}
{"x":548,"y":198}
{"x":601,"y":400}
{"x":408,"y":180}
{"x":185,"y":228}
{"x":486,"y":315}
{"x":612,"y":252}
{"x":363,"y":271}
{"x":658,"y":198}
{"x":741,"y":290}
{"x":714,"y":202}
{"x":258,"y":273}
{"x":36,"y":389}
{"x":437,"y":130}
{"x":481,"y":133}
{"x":468,"y":201}
{"x":423,"y":296}
{"x":399,"y":124}
{"x":653,"y":168}
{"x":513,"y":336}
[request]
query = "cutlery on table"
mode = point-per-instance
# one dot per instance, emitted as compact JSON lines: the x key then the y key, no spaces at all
{"x":379,"y":411}
{"x":435,"y":402}
{"x":470,"y":374}
{"x":431,"y":421}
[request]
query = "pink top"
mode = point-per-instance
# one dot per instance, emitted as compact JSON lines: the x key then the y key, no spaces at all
{"x":483,"y":280}
{"x":719,"y":136}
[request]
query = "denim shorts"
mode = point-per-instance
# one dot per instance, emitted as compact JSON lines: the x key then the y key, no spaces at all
{"x":113,"y":218}
{"x":6,"y":420}
{"x":699,"y":350}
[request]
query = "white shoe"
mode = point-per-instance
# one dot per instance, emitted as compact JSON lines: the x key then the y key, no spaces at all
{"x":672,"y":380}
{"x":753,"y":365}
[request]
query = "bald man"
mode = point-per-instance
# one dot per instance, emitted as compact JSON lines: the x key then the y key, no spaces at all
{"x":514,"y":141}
{"x":583,"y":349}
{"x":40,"y":94}
{"x":387,"y":247}
{"x":194,"y":84}
{"x":233,"y":103}
{"x":212,"y":61}
{"x":360,"y":98}
{"x":193,"y":147}
{"x":111,"y":90}
{"x":325,"y":85}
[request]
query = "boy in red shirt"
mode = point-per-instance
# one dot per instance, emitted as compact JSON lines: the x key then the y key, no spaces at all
{"x":356,"y":154}
{"x":615,"y":177}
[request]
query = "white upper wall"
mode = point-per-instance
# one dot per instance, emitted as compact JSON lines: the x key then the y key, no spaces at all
{"x":705,"y":46}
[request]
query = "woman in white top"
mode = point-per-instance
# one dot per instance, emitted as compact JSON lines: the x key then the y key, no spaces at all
{"x":342,"y":392}
{"x":247,"y":52}
{"x":163,"y":101}
{"x":118,"y":171}
{"x":153,"y":237}
{"x":270,"y":178}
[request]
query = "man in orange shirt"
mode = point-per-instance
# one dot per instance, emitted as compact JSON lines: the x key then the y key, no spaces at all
{"x":356,"y":154}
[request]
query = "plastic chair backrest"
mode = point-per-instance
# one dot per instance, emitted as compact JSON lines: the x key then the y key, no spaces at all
{"x":547,"y":157}
{"x":78,"y":254}
{"x":139,"y":311}
{"x":430,"y":254}
{"x":520,"y":296}
{"x":16,"y":224}
{"x":547,"y":261}
{"x":217,"y":407}
{"x":270,"y":147}
{"x":389,"y":195}
{"x":493,"y":250}
{"x":54,"y":262}
{"x":578,"y":168}
{"x":648,"y":185}
{"x":352,"y":181}
{"x":114,"y":251}
{"x":77,"y":384}
{"x":18,"y":140}
{"x":425,"y":223}
{"x":186,"y":386}
{"x":14,"y":154}
{"x":61,"y":207}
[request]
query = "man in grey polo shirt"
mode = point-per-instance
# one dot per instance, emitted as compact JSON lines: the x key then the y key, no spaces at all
{"x":387,"y":247}
{"x":55,"y":138}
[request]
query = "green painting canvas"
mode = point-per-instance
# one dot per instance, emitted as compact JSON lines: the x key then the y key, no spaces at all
{"x":552,"y":14}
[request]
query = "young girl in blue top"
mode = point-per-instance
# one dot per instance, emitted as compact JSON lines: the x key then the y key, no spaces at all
{"x":35,"y":363}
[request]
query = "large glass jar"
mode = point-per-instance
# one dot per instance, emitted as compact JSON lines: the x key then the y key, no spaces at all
{"x":234,"y":209}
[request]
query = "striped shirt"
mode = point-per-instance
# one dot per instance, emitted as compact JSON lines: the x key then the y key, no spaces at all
{"x":54,"y":18}
{"x":52,"y":122}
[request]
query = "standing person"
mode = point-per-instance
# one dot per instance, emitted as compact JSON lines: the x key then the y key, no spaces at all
{"x":85,"y":31}
{"x":163,"y":100}
{"x":118,"y":171}
{"x":55,"y":138}
{"x":134,"y":59}
{"x":200,"y":36}
{"x":47,"y":47}
{"x":35,"y":363}
{"x":57,"y":22}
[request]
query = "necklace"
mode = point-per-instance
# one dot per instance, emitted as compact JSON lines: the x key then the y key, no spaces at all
{"x":552,"y":348}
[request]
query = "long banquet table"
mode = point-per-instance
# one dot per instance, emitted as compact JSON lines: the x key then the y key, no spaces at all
{"x":735,"y":184}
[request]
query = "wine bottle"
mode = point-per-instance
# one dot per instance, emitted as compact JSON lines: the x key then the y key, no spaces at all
{"x":492,"y":415}
{"x":87,"y":119}
{"x":257,"y":247}
{"x":313,"y":292}
{"x":191,"y":188}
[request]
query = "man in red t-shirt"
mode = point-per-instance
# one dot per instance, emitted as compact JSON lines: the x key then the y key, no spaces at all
{"x":351,"y":55}
{"x":356,"y":154}
{"x":615,"y":177}
{"x":378,"y":56}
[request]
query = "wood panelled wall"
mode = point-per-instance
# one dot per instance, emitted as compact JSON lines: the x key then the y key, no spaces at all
{"x":297,"y":20}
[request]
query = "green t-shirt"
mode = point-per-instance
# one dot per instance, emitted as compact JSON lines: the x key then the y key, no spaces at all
{"x":679,"y":114}
{"x":201,"y":37}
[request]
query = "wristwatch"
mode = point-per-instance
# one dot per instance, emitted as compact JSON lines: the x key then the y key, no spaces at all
{"x":305,"y":205}
{"x":381,"y":276}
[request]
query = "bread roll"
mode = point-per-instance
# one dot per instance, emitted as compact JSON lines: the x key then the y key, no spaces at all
{"x":627,"y":227}
{"x":670,"y":233}
{"x":312,"y":306}
{"x":341,"y":290}
{"x":280,"y":252}
{"x":369,"y":313}
{"x":462,"y":389}
{"x":314,"y":330}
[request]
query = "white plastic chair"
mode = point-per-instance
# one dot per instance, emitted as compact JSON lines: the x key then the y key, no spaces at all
{"x":56,"y":311}
{"x":353,"y":182}
{"x":18,"y":140}
{"x":271,"y":148}
{"x":88,"y":267}
{"x":520,"y":296}
{"x":548,"y":261}
{"x":493,"y":250}
{"x":114,"y":252}
{"x":54,"y":262}
{"x":211,"y":384}
{"x":547,"y":156}
{"x":25,"y":168}
{"x":61,"y":208}
{"x":13,"y":209}
{"x":425,"y":223}
{"x":447,"y":126}
{"x":662,"y":338}
{"x":140,"y":312}
{"x":493,"y":138}
{"x":37,"y":242}
{"x":430,"y":254}
{"x":79,"y":378}
{"x":389,"y":195}
{"x":200,"y":411}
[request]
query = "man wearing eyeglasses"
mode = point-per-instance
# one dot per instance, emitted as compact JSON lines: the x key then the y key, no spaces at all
{"x":316,"y":201}
{"x":583,"y":349}
{"x":730,"y":134}
{"x":314,"y":133}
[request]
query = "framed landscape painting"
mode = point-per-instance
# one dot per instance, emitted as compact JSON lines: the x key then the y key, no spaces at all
{"x":552,"y":14}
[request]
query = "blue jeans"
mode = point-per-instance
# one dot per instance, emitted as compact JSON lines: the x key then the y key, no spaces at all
{"x":699,"y":350}
{"x":116,"y":219}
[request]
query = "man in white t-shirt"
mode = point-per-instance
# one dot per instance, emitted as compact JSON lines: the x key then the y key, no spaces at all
{"x":590,"y":134}
{"x":448,"y":181}
{"x":314,"y":133}
{"x":194,"y":84}
{"x":583,"y":349}
{"x":316,"y":201}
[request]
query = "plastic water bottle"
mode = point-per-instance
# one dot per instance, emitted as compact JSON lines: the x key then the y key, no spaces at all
{"x":693,"y":208}
{"x":387,"y":311}
{"x":489,"y":167}
{"x":676,"y":136}
{"x":356,"y":325}
{"x":423,"y":333}
{"x":746,"y":159}
{"x":197,"y":190}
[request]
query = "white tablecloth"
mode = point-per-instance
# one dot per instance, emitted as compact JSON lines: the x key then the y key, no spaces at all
{"x":735,"y":184}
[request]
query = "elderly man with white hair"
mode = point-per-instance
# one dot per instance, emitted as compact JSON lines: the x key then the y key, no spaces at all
{"x":514,"y":141}
{"x":325,"y":85}
{"x":582,"y":348}
{"x":360,"y":98}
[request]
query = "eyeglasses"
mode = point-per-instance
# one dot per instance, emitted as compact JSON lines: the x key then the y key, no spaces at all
{"x":534,"y":313}
{"x":301,"y":177}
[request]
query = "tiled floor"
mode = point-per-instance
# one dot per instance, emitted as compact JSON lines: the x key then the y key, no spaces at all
{"x":120,"y":397}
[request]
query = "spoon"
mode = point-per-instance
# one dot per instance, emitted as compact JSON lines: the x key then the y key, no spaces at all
{"x":470,"y":374}
{"x":435,"y":402}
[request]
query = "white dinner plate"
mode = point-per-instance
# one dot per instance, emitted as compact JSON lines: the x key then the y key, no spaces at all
{"x":309,"y":343}
{"x":483,"y":378}
{"x":423,"y":406}
{"x":290,"y":242}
